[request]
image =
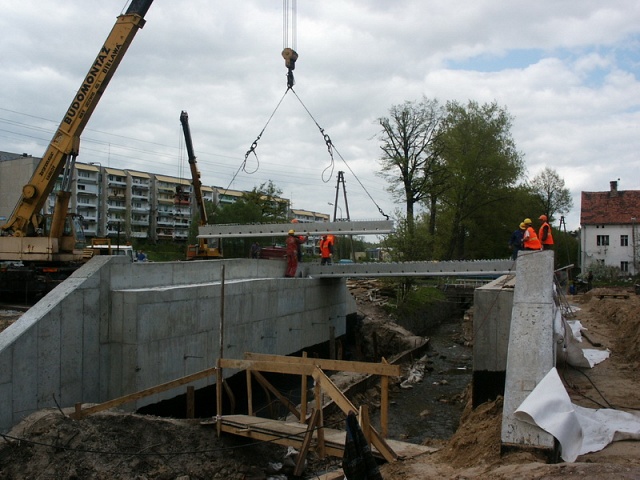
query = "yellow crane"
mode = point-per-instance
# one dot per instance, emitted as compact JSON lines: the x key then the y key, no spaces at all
{"x":47,"y":243}
{"x":202,"y":250}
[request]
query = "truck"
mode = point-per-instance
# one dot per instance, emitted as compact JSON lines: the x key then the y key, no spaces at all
{"x":203,"y":250}
{"x":37,"y":247}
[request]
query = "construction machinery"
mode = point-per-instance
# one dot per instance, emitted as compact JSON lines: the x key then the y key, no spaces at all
{"x":51,"y":244}
{"x":202,"y":250}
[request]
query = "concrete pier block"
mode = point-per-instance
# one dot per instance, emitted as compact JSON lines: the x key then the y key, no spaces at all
{"x":531,"y":347}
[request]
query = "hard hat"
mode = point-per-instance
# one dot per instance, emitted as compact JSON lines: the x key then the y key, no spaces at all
{"x":527,"y":221}
{"x":295,"y":220}
{"x":291,"y":232}
{"x":543,"y":218}
{"x":523,"y":226}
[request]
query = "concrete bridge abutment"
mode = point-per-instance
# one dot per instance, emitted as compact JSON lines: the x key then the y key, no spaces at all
{"x":116,"y":327}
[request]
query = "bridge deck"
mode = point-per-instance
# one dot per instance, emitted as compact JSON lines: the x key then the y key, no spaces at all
{"x":474,"y":268}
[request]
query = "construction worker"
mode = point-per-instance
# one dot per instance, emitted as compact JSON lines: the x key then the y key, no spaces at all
{"x":326,"y":250}
{"x":544,"y":234}
{"x":293,"y":243}
{"x":515,"y":242}
{"x":530,"y":239}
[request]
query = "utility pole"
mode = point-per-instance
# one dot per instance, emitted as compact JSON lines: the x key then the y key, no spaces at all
{"x":346,"y":208}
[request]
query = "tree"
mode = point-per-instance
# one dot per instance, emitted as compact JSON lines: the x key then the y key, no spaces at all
{"x":267,"y":197}
{"x":483,"y":167}
{"x":261,"y":205}
{"x":548,"y":187}
{"x":411,"y":152}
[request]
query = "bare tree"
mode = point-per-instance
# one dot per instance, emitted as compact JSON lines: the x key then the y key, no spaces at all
{"x":411,"y":152}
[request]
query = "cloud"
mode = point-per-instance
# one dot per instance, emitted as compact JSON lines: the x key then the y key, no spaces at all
{"x":567,"y":72}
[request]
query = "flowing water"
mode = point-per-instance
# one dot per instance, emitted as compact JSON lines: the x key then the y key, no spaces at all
{"x":432,"y":407}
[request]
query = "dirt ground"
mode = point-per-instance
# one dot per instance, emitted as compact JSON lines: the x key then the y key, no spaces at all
{"x":49,"y":444}
{"x":474,"y":451}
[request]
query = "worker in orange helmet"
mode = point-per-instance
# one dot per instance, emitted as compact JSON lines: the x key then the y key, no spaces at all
{"x":544,"y":233}
{"x":326,"y":249}
{"x":530,"y":239}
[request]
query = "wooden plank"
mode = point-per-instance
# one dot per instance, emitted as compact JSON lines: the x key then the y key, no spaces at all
{"x":346,"y":406}
{"x":288,"y":368}
{"x":249,"y":394}
{"x":81,"y":413}
{"x":306,"y":443}
{"x":322,"y":450}
{"x":303,"y":394}
{"x":292,"y":433}
{"x":191,"y":404}
{"x":334,"y":365}
{"x":218,"y":399}
{"x":384,"y":404}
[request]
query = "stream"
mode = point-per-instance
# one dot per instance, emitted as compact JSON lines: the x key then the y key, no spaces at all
{"x":431,"y":409}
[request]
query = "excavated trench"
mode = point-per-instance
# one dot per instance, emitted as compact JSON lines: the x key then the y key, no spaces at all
{"x":428,"y":409}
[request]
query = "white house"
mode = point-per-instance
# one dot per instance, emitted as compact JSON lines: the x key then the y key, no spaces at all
{"x":609,"y":233}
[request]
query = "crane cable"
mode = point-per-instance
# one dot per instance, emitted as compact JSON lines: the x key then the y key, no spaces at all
{"x":290,"y":56}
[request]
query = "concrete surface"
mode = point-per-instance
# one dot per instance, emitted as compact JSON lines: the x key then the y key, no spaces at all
{"x":116,"y":327}
{"x":531,"y":353}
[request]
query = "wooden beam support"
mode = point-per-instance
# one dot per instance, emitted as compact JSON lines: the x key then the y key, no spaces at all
{"x":81,"y":413}
{"x":334,"y":365}
{"x":306,"y":443}
{"x":346,"y":406}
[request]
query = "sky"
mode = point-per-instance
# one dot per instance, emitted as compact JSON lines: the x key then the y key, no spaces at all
{"x":568,"y":71}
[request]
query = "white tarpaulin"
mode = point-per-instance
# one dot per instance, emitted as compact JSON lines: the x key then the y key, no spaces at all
{"x":579,"y":430}
{"x":568,"y":335}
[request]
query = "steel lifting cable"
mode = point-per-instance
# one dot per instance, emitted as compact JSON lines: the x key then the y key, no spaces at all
{"x":331,"y":148}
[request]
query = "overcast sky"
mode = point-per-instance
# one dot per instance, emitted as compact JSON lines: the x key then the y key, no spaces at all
{"x":567,"y":70}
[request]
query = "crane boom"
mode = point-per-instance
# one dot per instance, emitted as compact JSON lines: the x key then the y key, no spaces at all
{"x":195,"y":173}
{"x":65,"y":141}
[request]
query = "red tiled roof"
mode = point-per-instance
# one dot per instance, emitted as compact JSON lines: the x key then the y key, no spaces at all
{"x":612,"y":207}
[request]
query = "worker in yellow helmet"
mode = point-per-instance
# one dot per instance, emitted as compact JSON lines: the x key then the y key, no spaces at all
{"x":293,"y":244}
{"x":530,"y":239}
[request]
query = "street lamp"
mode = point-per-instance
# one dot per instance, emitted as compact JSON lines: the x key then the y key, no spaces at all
{"x":334,"y":210}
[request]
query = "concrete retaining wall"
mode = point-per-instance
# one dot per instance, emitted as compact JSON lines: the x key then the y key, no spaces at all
{"x":116,"y":327}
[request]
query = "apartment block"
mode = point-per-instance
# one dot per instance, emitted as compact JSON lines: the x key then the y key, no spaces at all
{"x":124,"y":204}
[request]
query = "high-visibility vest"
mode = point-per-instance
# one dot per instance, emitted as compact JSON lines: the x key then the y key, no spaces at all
{"x":531,"y":240}
{"x":549,"y":239}
{"x":325,"y":247}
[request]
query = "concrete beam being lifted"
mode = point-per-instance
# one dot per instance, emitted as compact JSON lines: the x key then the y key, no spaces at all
{"x":371,"y":227}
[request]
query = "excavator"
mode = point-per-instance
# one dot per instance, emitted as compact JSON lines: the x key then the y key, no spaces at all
{"x":51,"y":246}
{"x":202,"y":250}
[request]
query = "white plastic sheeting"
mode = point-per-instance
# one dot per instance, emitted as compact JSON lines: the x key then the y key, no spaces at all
{"x":568,"y":335}
{"x":579,"y":430}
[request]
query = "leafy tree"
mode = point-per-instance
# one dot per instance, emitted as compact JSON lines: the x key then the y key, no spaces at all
{"x":261,"y":205}
{"x":549,"y":189}
{"x":411,"y":152}
{"x":483,"y":167}
{"x":268,"y":198}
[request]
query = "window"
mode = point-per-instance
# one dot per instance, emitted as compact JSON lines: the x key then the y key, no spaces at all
{"x":624,"y":240}
{"x":602,"y":240}
{"x":624,"y":267}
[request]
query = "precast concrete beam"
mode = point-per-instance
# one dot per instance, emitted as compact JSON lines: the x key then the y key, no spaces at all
{"x":370,"y":227}
{"x":493,"y":268}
